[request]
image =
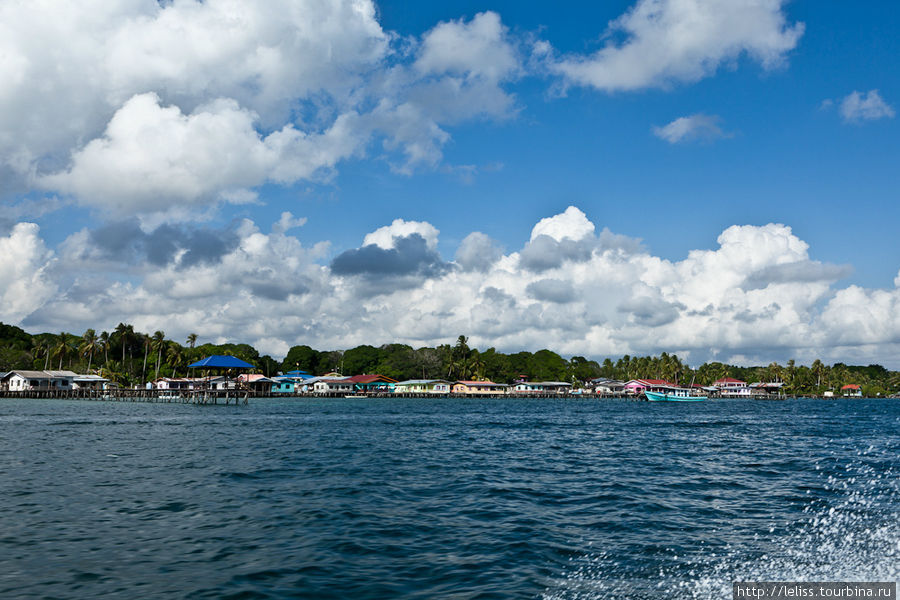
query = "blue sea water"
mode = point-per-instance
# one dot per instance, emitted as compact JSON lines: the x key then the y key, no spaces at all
{"x":501,"y":498}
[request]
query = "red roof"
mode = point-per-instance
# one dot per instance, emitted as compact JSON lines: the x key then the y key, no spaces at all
{"x":851,"y":386}
{"x":482,"y":383}
{"x":730,"y":380}
{"x":371,"y":379}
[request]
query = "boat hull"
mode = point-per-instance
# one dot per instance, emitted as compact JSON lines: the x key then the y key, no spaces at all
{"x":658,"y":397}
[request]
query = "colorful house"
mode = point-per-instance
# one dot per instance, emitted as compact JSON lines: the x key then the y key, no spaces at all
{"x":636,"y":387}
{"x":852,"y":390}
{"x":373,"y":383}
{"x":733,"y":388}
{"x":283,"y":384}
{"x":479,"y":388}
{"x":422,"y":386}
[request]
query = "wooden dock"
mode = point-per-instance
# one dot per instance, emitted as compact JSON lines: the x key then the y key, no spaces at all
{"x":242,"y":396}
{"x":199,"y":397}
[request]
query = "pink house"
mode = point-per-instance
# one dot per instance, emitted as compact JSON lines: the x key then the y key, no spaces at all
{"x":636,"y":387}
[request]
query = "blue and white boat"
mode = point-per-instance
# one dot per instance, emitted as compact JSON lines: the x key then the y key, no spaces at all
{"x":674,"y":395}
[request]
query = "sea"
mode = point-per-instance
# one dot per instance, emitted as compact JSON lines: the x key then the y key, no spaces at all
{"x":444,"y":498}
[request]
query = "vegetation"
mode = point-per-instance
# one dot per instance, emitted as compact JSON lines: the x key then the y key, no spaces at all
{"x":131,"y":357}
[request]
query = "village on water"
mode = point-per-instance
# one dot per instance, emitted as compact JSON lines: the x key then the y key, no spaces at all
{"x":160,"y":369}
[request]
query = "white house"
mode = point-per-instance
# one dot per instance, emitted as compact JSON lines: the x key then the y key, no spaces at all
{"x":21,"y":381}
{"x":422,"y":386}
{"x":540,"y":387}
{"x":733,"y":388}
{"x":333,"y":385}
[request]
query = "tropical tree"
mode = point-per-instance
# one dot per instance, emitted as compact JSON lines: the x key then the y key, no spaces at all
{"x":126,"y":337}
{"x":174,"y":357}
{"x":818,"y":370}
{"x":104,"y":342}
{"x":89,"y":343}
{"x":39,"y":349}
{"x":158,"y":342}
{"x":61,"y":348}
{"x":191,"y":340}
{"x":145,"y":341}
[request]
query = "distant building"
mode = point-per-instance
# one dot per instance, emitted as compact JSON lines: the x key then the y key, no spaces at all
{"x":479,"y":388}
{"x":733,"y":388}
{"x":767,"y":389}
{"x":373,"y":383}
{"x":89,"y":382}
{"x":21,"y":381}
{"x":332,"y":385}
{"x":636,"y":387}
{"x":540,"y":387}
{"x":422,"y":386}
{"x":852,"y":390}
{"x":602,"y":385}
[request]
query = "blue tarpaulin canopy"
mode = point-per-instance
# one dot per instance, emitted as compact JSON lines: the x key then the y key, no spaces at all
{"x":217,"y":361}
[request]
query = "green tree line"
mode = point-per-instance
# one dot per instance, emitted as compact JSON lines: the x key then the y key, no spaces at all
{"x":131,"y":357}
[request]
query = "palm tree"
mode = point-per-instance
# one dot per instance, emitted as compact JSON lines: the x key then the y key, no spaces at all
{"x":104,"y":341}
{"x":113,"y":371}
{"x":192,"y":339}
{"x":61,"y":348}
{"x":818,"y":369}
{"x":38,"y":349}
{"x":145,"y":340}
{"x":477,"y":367}
{"x":174,"y":357}
{"x":789,"y":371}
{"x":126,"y":336}
{"x":158,"y":342}
{"x":89,"y":343}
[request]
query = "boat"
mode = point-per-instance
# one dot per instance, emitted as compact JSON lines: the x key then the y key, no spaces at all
{"x":352,"y":396}
{"x":674,"y":395}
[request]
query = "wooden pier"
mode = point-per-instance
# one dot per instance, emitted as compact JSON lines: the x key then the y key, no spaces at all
{"x":199,"y":397}
{"x":242,"y":396}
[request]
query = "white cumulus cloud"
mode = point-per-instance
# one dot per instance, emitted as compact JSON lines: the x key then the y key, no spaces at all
{"x":667,"y":41}
{"x":152,"y":158}
{"x":386,"y":237}
{"x":164,"y":109}
{"x":757,"y":294}
{"x":571,"y":224}
{"x":24,"y":262}
{"x":691,"y":128}
{"x":868,"y":106}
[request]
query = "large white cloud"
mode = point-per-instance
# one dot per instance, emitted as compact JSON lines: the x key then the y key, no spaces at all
{"x":668,"y":41}
{"x":24,"y":260}
{"x":67,"y":67}
{"x":757,"y":296}
{"x":140,"y":107}
{"x":152,"y":158}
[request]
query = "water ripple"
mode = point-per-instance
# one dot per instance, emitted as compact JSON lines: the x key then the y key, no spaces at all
{"x":411,"y":499}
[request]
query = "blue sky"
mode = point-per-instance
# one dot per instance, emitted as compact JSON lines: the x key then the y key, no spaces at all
{"x":144,"y":173}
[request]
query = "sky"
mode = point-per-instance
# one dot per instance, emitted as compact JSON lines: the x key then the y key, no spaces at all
{"x":713,"y":178}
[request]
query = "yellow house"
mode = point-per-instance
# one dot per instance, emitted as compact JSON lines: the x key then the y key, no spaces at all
{"x":479,"y":388}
